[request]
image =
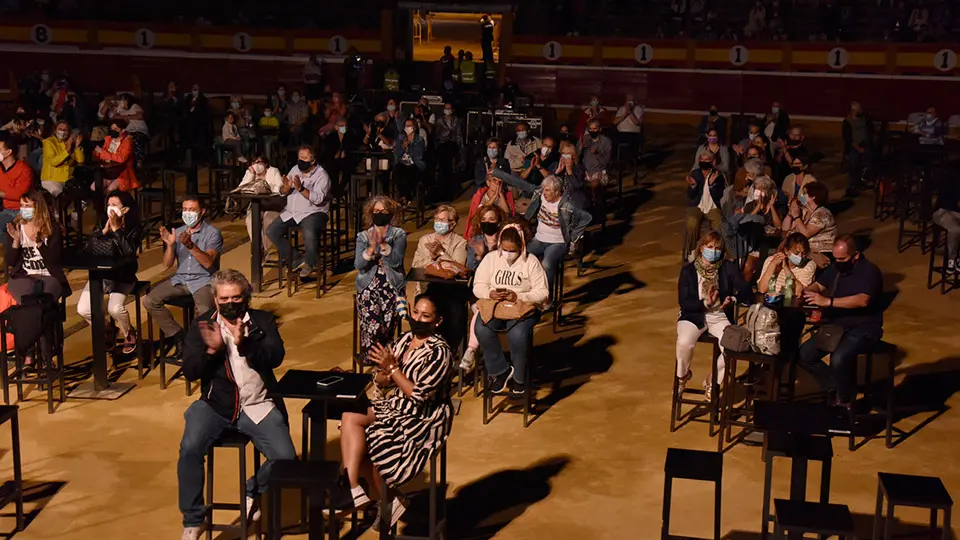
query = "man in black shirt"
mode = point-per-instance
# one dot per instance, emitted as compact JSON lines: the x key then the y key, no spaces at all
{"x":486,"y":37}
{"x":849,"y":290}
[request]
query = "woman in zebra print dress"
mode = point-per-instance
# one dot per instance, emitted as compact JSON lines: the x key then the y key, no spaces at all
{"x":410,"y":415}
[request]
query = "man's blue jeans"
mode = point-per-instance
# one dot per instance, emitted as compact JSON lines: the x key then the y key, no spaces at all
{"x":841,"y":374}
{"x":520,"y":336}
{"x":203,"y":426}
{"x":550,"y":256}
{"x":311,"y":226}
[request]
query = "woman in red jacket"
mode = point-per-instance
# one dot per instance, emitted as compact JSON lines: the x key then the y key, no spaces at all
{"x":493,"y":194}
{"x":116,"y":155}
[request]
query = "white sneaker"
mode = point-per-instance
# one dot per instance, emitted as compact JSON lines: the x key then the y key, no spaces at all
{"x":397,"y":508}
{"x":360,"y":501}
{"x":469,"y":360}
{"x":951,"y":266}
{"x":253,"y":512}
{"x":191,"y":533}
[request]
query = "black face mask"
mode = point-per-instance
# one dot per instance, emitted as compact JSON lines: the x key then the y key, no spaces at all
{"x":845,"y":267}
{"x":713,"y":113}
{"x":381,"y":220}
{"x":595,"y":134}
{"x":420,"y":328}
{"x":796,"y":170}
{"x":706,"y":166}
{"x":304,"y":165}
{"x":114,"y":132}
{"x":489,"y":228}
{"x":564,"y":136}
{"x":232,"y":311}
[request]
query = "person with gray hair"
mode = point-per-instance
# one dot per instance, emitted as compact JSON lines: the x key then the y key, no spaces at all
{"x":705,"y":188}
{"x":308,"y":190}
{"x":232,"y":351}
{"x":758,"y":221}
{"x":559,"y":221}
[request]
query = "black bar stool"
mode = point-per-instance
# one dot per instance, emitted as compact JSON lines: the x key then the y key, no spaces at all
{"x":51,"y":318}
{"x":946,"y":281}
{"x":437,"y":513}
{"x":884,"y":408}
{"x":700,"y":408}
{"x":317,"y":477}
{"x":185,"y":303}
{"x":916,"y":491}
{"x":15,"y":493}
{"x":692,"y":465}
{"x":804,"y":448}
{"x":729,"y":415}
{"x":812,"y":518}
{"x":238,"y":441}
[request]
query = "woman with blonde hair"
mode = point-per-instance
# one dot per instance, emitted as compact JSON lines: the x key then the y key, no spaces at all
{"x":32,"y":247}
{"x":708,"y":289}
{"x":380,"y":276}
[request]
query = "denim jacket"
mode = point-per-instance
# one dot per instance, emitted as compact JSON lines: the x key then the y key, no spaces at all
{"x":573,"y":219}
{"x":392,"y":262}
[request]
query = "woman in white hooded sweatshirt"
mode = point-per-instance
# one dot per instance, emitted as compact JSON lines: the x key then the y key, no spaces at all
{"x":509,"y":274}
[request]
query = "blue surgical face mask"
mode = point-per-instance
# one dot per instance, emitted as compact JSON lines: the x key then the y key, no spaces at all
{"x":712,"y":255}
{"x":441,"y":227}
{"x":492,"y":153}
{"x":521,"y":135}
{"x":26,"y":213}
{"x":190,"y":218}
{"x":803,"y":199}
{"x":795,"y":259}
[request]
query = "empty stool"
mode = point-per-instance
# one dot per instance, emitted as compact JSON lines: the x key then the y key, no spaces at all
{"x":692,"y":465}
{"x":916,"y":491}
{"x":800,"y":449}
{"x":437,"y":513}
{"x":239,"y":441}
{"x":185,"y":303}
{"x":10,"y":412}
{"x":677,"y":418}
{"x":802,"y":517}
{"x":730,"y":415}
{"x":319,"y":477}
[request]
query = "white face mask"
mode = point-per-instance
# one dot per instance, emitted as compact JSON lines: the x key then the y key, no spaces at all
{"x":511,"y":256}
{"x":259,"y":168}
{"x":568,"y":157}
{"x":775,"y":110}
{"x":545,"y":151}
{"x":268,"y":113}
{"x":391,"y":108}
{"x":62,"y":135}
{"x":195,"y":93}
{"x":234,"y":104}
{"x":281,"y":92}
{"x":114,"y":211}
{"x":448,"y":112}
{"x":752,"y":136}
{"x":295,"y":99}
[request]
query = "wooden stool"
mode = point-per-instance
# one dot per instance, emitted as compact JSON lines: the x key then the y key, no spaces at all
{"x":10,"y":412}
{"x":916,"y":491}
{"x":677,"y":418}
{"x":799,"y":449}
{"x":238,"y":441}
{"x":437,"y":518}
{"x":692,"y":465}
{"x":813,"y":518}
{"x":318,"y":477}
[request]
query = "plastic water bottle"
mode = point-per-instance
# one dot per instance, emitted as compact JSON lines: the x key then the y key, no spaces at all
{"x":788,"y":289}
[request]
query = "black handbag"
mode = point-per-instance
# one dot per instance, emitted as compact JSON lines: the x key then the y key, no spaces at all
{"x":829,"y":336}
{"x":99,"y":245}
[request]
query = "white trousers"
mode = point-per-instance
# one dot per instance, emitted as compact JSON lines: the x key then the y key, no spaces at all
{"x":687,"y":336}
{"x":268,"y":218}
{"x":115,"y":307}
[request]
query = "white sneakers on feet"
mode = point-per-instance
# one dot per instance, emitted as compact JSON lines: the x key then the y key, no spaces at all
{"x":469,"y":360}
{"x":397,"y":508}
{"x":360,"y":500}
{"x":191,"y":533}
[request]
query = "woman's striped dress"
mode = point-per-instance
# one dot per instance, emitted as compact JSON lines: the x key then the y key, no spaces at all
{"x":407,"y":430}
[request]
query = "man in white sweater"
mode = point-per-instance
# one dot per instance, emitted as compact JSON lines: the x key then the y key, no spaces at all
{"x":509,"y":274}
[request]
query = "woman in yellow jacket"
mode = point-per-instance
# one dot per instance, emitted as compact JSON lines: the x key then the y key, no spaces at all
{"x":61,"y":152}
